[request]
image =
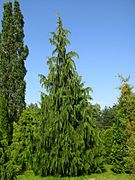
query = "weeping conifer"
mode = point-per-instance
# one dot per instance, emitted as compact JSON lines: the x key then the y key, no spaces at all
{"x":69,"y":144}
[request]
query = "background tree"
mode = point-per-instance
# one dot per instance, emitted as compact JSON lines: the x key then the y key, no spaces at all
{"x":12,"y":84}
{"x":123,"y":129}
{"x":19,"y":70}
{"x":107,"y":140}
{"x":69,"y":143}
{"x":106,"y":117}
{"x":6,"y":126}
{"x":12,"y":69}
{"x":6,"y":45}
{"x":3,"y":138}
{"x":24,"y":139}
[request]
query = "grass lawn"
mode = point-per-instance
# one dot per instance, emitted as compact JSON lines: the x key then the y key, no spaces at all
{"x":109,"y":175}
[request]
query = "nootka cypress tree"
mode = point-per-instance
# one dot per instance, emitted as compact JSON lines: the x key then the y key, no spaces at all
{"x":69,"y":143}
{"x":12,"y":56}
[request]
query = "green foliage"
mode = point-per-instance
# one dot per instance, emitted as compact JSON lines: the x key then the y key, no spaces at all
{"x":12,"y":84}
{"x":69,"y":141}
{"x":6,"y":172}
{"x":23,"y":139}
{"x":123,"y":130}
{"x":6,"y":42}
{"x":131,"y":151}
{"x":3,"y":136}
{"x":106,"y":118}
{"x":18,"y":66}
{"x":107,"y":140}
{"x":4,"y":124}
{"x":119,"y":148}
{"x":109,"y":175}
{"x":12,"y":56}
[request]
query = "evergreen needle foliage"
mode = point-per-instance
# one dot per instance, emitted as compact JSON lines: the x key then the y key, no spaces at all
{"x":12,"y":69}
{"x":12,"y":85}
{"x":124,"y":130}
{"x":69,"y":142}
{"x":24,"y":137}
{"x":106,"y":118}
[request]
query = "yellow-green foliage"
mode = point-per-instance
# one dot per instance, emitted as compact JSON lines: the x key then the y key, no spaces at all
{"x":23,"y":139}
{"x":123,"y":131}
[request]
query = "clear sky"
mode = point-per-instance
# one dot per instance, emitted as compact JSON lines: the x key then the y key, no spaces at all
{"x":103,"y":34}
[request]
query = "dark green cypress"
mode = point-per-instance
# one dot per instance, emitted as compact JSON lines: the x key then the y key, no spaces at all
{"x":5,"y":124}
{"x":6,"y":47}
{"x":69,"y":143}
{"x":12,"y":84}
{"x":21,"y":53}
{"x":3,"y":138}
{"x":12,"y":69}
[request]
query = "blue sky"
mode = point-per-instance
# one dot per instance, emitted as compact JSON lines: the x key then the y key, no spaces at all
{"x":103,"y":34}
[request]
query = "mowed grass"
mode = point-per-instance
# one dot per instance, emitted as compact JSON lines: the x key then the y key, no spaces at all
{"x":109,"y":175}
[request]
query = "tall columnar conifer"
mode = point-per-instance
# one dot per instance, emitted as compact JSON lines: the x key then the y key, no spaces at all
{"x":21,"y":53}
{"x":12,"y":84}
{"x":69,"y":143}
{"x":6,"y":46}
{"x":12,"y":69}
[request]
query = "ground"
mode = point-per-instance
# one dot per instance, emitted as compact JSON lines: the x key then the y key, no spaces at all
{"x":109,"y":175}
